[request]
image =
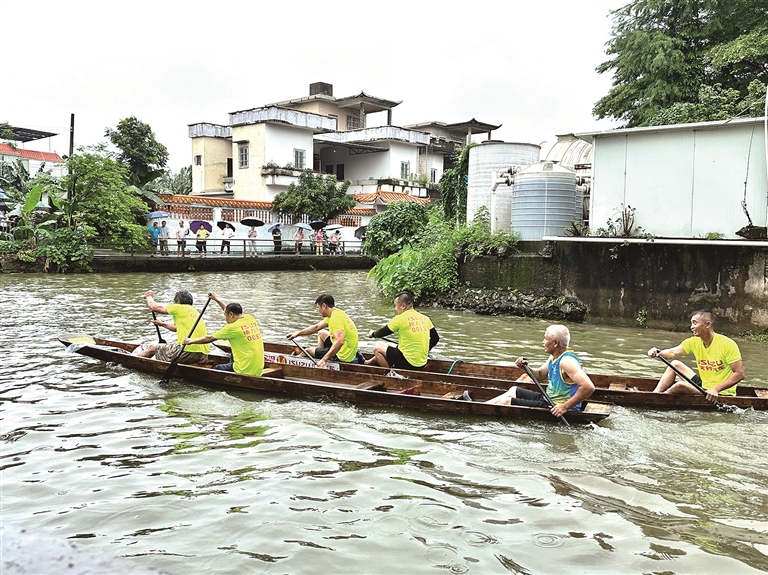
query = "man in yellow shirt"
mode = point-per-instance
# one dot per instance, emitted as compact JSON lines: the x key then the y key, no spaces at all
{"x":717,"y":357}
{"x":416,"y":336}
{"x":244,"y":337}
{"x":184,"y":317}
{"x":336,"y":334}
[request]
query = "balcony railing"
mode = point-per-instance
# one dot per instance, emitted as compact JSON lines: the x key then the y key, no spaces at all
{"x":373,"y":134}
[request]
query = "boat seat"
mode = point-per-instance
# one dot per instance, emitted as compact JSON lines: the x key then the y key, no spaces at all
{"x":370,"y":385}
{"x":617,"y":387}
{"x":597,"y":407}
{"x":273,"y":372}
{"x":762,"y":393}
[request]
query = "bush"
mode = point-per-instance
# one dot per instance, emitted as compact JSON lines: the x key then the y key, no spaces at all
{"x":401,"y":225}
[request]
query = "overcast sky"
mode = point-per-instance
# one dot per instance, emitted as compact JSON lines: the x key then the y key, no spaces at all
{"x":529,"y":66}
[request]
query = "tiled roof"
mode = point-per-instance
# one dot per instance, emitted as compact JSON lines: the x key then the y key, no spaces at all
{"x":245,"y":204}
{"x":215,"y":202}
{"x":8,"y":150}
{"x":388,"y":197}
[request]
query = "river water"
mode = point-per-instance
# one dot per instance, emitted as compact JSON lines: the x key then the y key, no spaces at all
{"x":190,"y":480}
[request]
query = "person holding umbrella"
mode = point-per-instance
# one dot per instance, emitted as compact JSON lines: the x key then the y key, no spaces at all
{"x":319,"y":243}
{"x":298,"y":240}
{"x":277,"y":237}
{"x":252,"y":242}
{"x":202,"y":234}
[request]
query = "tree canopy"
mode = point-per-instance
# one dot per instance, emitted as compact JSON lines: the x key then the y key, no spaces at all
{"x":402,"y":224}
{"x":317,"y":196}
{"x":712,"y":54}
{"x":144,"y":156}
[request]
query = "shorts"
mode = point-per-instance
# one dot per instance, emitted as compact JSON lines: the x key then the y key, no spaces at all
{"x":528,"y":398}
{"x":169,"y":351}
{"x":396,"y":359}
{"x":321,"y":351}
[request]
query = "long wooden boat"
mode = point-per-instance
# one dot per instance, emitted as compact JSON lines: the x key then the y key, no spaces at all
{"x":365,"y":388}
{"x":616,"y":389}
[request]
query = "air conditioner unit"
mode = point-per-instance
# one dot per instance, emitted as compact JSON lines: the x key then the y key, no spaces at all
{"x":229,"y":187}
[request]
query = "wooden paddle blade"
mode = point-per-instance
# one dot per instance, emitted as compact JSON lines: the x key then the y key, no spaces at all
{"x":76,"y":338}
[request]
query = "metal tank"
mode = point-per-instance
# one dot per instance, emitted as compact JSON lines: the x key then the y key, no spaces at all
{"x":485,"y":160}
{"x":545,"y":201}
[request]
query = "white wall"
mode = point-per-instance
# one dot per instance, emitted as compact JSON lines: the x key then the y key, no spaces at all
{"x":282,"y":140}
{"x":682,"y":182}
{"x":402,"y":153}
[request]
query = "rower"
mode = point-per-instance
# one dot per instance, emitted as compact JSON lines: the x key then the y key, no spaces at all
{"x":416,"y":336}
{"x":243,"y":335}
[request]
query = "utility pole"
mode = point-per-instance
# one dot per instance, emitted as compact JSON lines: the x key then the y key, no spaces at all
{"x":70,"y":188}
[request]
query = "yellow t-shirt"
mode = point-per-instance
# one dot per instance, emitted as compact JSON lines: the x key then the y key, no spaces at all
{"x":247,"y":346}
{"x":340,"y":321}
{"x":412,"y":329}
{"x":714,"y":362}
{"x":184,"y":317}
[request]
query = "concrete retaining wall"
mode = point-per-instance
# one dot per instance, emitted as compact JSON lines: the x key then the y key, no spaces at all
{"x":660,"y":281}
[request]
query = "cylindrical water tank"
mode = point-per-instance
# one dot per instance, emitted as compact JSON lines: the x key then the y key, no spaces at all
{"x":545,"y":201}
{"x":486,"y":159}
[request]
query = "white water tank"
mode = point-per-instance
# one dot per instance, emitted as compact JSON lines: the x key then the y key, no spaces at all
{"x":486,"y":159}
{"x":545,"y":200}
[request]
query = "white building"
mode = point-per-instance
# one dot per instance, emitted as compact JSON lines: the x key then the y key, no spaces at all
{"x":263,"y":150}
{"x":684,"y":180}
{"x":32,"y":160}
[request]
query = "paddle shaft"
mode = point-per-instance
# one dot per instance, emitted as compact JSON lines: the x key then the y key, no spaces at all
{"x":157,"y":327}
{"x":693,"y":383}
{"x":305,"y":351}
{"x":172,"y":367}
{"x":543,"y":392}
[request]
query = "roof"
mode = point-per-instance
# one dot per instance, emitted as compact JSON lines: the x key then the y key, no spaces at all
{"x":246,"y":204}
{"x":214,"y":202}
{"x":8,"y":150}
{"x":675,"y":127}
{"x":372,"y":103}
{"x":24,"y":134}
{"x":476,"y":126}
{"x":383,"y":197}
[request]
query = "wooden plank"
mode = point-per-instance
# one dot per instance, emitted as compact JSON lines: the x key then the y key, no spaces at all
{"x":617,"y":387}
{"x":272,"y":372}
{"x":370,"y":385}
{"x":597,"y":408}
{"x":761,"y":393}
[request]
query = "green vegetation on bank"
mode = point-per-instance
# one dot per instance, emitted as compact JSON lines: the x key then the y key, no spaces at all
{"x":428,"y":248}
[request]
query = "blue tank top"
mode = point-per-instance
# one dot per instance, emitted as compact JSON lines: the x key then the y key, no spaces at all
{"x":558,"y":389}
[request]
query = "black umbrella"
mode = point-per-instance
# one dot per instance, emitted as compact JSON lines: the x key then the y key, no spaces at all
{"x":254,"y":222}
{"x":318,"y":224}
{"x":359,"y":232}
{"x":4,"y":207}
{"x":223,"y":224}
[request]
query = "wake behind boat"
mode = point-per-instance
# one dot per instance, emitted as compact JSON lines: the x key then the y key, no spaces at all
{"x":616,"y":389}
{"x":364,"y":388}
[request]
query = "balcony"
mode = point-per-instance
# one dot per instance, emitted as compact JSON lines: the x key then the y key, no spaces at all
{"x":375,"y":134}
{"x":314,"y":122}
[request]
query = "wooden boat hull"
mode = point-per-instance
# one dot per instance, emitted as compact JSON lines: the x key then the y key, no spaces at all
{"x":358,"y":388}
{"x":619,"y":390}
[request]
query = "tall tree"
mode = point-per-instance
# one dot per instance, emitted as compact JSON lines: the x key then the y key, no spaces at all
{"x":144,"y":156}
{"x":665,"y":52}
{"x":319,"y":197}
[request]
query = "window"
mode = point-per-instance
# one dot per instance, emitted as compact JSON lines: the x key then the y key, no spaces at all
{"x":229,"y":167}
{"x":405,"y":169}
{"x":433,"y":175}
{"x":329,"y":168}
{"x":299,"y":159}
{"x":198,"y":160}
{"x":242,"y":157}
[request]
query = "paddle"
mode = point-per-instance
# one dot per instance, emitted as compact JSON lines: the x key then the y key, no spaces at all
{"x":304,"y":350}
{"x":720,"y":406}
{"x":157,"y":327}
{"x":172,"y":367}
{"x":541,"y":389}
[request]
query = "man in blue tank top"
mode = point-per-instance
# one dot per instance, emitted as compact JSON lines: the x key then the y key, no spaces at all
{"x":568,"y":385}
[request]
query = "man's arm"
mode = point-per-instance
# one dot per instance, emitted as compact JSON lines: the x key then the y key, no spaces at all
{"x":193,"y":341}
{"x":152,"y":304}
{"x":540,"y":373}
{"x":338,"y":342}
{"x":381,"y":332}
{"x":434,"y":337}
{"x":738,"y":375}
{"x":577,"y":375}
{"x":308,"y":330}
{"x":216,"y":298}
{"x":668,"y":354}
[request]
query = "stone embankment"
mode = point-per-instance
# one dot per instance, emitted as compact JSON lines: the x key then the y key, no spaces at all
{"x":501,"y":301}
